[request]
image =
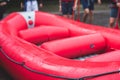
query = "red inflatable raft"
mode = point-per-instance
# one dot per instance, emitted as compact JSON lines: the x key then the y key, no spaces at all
{"x":42,"y":46}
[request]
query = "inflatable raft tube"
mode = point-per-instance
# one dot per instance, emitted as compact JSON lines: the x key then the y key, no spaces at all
{"x":26,"y":61}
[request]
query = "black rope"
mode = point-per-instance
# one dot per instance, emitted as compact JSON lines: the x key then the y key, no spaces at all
{"x":19,"y":63}
{"x":55,"y":76}
{"x":102,"y":74}
{"x":38,"y":72}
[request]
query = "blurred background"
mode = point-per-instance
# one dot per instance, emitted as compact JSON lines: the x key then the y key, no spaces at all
{"x":101,"y":16}
{"x":49,"y":5}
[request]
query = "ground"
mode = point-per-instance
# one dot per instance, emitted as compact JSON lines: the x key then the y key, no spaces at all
{"x":102,"y":18}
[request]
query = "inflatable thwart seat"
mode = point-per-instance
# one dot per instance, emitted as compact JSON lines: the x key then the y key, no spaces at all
{"x":42,"y":34}
{"x":67,"y":46}
{"x":58,"y":40}
{"x":76,"y":46}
